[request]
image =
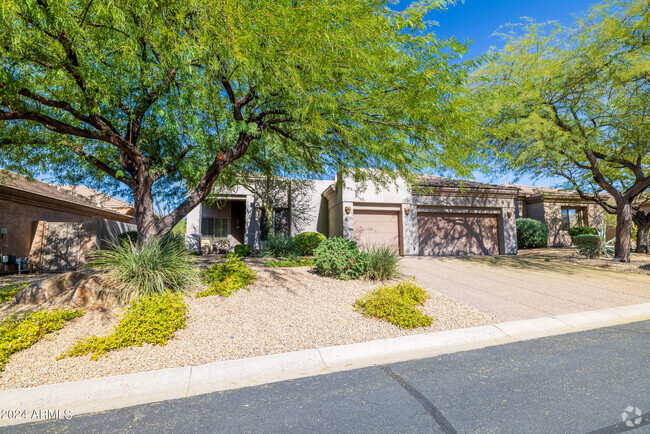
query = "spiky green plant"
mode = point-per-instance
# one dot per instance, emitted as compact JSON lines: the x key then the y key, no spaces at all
{"x":141,"y":269}
{"x":280,"y":246}
{"x":383,"y":263}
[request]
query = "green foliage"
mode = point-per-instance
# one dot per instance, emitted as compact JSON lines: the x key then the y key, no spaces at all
{"x":383,"y":263}
{"x":290,"y":262}
{"x":226,"y":278}
{"x":147,"y":268}
{"x":279,"y":246}
{"x":307,"y":242}
{"x":341,"y":259}
{"x":21,"y":331}
{"x":531,"y":233}
{"x":131,"y":236}
{"x":7,"y":292}
{"x":181,"y":227}
{"x":153,"y":319}
{"x":396,"y":304}
{"x":242,"y":250}
{"x":582,"y":230}
{"x":590,"y":246}
{"x":114,"y":91}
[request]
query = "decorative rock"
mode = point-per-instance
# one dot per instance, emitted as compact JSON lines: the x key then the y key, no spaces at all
{"x":74,"y":289}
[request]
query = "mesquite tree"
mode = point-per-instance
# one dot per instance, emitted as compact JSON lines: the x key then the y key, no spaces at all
{"x":150,"y":96}
{"x":575,"y":102}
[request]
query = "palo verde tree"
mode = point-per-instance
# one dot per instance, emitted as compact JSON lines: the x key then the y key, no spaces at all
{"x":152,"y":95}
{"x":575,"y":102}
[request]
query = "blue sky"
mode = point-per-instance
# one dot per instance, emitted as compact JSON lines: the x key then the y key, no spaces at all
{"x":477,"y":20}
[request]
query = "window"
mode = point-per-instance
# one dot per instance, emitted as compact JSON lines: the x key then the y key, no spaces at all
{"x":572,"y":217}
{"x":280,"y":223}
{"x":216,"y":227}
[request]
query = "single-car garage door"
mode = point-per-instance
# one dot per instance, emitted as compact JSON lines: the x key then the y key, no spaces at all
{"x":374,"y":227}
{"x":442,"y":234}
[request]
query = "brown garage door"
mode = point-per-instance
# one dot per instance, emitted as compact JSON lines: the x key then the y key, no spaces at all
{"x":458,"y":234}
{"x":377,"y":228}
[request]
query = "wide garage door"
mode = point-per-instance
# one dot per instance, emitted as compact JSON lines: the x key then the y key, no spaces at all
{"x":442,"y":234}
{"x":378,"y":228}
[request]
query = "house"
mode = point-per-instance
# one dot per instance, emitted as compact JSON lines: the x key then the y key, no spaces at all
{"x":56,"y":226}
{"x":438,"y":216}
{"x":559,"y":209}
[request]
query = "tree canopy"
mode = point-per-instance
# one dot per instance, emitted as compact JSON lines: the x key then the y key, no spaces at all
{"x":575,"y":102}
{"x":149,"y":96}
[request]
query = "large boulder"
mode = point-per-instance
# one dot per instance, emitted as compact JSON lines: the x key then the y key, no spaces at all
{"x":74,"y":289}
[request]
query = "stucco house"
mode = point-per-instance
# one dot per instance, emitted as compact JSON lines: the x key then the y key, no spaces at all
{"x":435,"y":217}
{"x":55,"y":226}
{"x":559,"y":209}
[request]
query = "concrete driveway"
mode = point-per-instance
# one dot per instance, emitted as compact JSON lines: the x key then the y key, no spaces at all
{"x":513,"y":288}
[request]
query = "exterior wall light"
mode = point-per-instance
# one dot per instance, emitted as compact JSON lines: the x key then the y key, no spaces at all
{"x":407,"y":211}
{"x":348,"y":209}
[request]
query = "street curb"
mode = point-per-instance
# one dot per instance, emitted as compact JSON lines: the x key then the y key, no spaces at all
{"x":101,"y":394}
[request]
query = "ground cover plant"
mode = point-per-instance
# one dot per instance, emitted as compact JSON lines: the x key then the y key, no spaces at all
{"x":279,"y":246}
{"x":340,"y":258}
{"x":383,"y":263}
{"x":152,"y":319}
{"x":21,"y":331}
{"x":396,"y":304}
{"x":307,"y":242}
{"x":290,"y":262}
{"x":144,"y":268}
{"x":588,"y":245}
{"x":7,"y":292}
{"x":531,"y":233}
{"x":228,"y":277}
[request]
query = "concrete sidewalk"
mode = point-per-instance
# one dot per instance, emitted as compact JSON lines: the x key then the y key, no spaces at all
{"x":515,"y":288}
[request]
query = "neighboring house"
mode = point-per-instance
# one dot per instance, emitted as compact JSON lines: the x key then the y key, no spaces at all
{"x":56,"y":226}
{"x":559,"y":209}
{"x":438,"y":216}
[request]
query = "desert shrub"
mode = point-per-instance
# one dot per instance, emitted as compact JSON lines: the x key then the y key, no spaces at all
{"x":531,"y":233}
{"x":152,"y":319}
{"x":21,"y":331}
{"x":242,"y":250}
{"x":290,"y":262}
{"x":383,"y":263}
{"x":227,"y":277}
{"x":582,"y":230}
{"x":279,"y":246}
{"x":341,"y":259}
{"x":307,"y":242}
{"x":396,"y":304}
{"x":590,"y":246}
{"x":132,"y":236}
{"x":7,"y":292}
{"x":145,"y":268}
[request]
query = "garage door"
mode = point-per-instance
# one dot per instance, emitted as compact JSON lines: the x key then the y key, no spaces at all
{"x":458,"y":234}
{"x":377,"y":228}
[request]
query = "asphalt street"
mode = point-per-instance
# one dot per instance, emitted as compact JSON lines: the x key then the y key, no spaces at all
{"x":575,"y":383}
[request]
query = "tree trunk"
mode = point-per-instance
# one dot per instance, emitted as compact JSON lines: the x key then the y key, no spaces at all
{"x":642,"y":238}
{"x":623,"y":229}
{"x":270,"y":227}
{"x":145,"y":215}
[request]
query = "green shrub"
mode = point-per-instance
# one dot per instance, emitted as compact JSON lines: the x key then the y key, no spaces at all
{"x":531,"y":233}
{"x":290,"y":262}
{"x":7,"y":292}
{"x":279,"y":246}
{"x":132,"y":236}
{"x":227,"y":277}
{"x":383,"y":263}
{"x":146,"y":268}
{"x":153,"y":320}
{"x":242,"y":250}
{"x":21,"y":331}
{"x":396,"y":304}
{"x":307,"y":242}
{"x":590,"y":246}
{"x":341,"y":259}
{"x":582,"y":230}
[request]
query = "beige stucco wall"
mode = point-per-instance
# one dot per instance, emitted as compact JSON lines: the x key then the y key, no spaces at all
{"x":557,"y":236}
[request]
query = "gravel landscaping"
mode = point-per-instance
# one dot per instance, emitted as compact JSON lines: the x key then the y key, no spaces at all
{"x":639,"y":263}
{"x":284,"y":310}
